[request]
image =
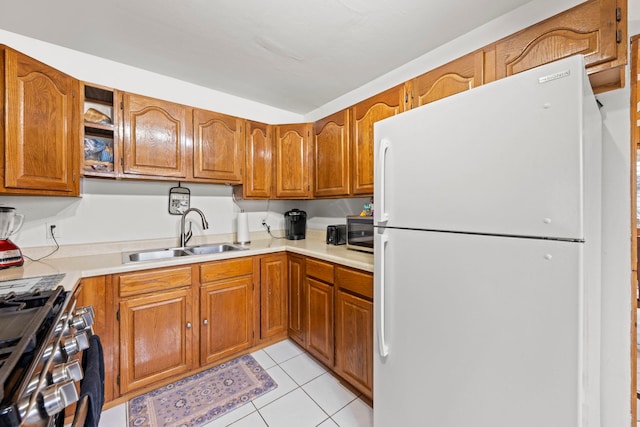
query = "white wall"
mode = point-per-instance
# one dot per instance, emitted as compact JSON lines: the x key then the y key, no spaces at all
{"x":115,"y":211}
{"x":108,"y":73}
{"x":616,"y":240}
{"x":530,"y":13}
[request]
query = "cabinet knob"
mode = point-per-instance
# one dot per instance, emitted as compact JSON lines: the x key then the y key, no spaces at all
{"x":188,"y":325}
{"x":205,"y":322}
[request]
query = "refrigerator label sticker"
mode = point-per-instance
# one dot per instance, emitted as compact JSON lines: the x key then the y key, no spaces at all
{"x":555,"y":76}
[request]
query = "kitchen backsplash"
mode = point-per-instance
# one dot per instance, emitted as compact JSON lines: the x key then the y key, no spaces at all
{"x":115,"y":211}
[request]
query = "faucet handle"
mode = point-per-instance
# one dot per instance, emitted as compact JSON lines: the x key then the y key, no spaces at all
{"x":188,"y":234}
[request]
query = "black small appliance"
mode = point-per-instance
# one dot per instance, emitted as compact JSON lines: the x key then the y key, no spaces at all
{"x":336,"y":234}
{"x":295,"y":224}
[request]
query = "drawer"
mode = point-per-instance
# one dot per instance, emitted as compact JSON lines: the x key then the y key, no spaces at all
{"x":218,"y":270}
{"x":356,"y":281}
{"x":320,"y":270}
{"x":145,"y":281}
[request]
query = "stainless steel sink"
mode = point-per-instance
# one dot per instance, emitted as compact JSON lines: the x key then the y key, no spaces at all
{"x":215,"y":249}
{"x":159,"y":254}
{"x":154,"y":254}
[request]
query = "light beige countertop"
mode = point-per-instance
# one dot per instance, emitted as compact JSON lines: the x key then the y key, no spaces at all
{"x":89,"y":263}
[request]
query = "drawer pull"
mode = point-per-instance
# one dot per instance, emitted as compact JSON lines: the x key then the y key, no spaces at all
{"x":205,"y":322}
{"x":188,"y":325}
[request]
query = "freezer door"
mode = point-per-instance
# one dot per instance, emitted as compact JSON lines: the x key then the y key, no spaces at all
{"x":511,"y":157}
{"x":483,"y":331}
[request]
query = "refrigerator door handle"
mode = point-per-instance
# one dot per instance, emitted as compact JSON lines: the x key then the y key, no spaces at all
{"x":379,"y":253}
{"x":380,"y":198}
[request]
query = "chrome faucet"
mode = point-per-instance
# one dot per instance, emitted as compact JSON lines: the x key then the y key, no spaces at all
{"x":184,"y":237}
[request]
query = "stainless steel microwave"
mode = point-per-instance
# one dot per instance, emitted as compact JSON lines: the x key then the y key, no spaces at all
{"x":360,"y":233}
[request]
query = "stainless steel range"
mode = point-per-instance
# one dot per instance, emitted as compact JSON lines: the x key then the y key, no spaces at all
{"x":40,"y":332}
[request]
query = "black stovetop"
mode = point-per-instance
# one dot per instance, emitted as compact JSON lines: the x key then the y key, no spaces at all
{"x":26,"y":321}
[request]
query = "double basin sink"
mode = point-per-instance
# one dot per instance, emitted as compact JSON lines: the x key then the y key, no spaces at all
{"x":160,"y":254}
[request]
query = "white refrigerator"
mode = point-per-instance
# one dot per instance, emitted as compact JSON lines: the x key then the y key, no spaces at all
{"x":487,"y":256}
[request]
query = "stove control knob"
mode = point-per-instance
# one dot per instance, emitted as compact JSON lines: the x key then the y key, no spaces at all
{"x":58,"y":396}
{"x":67,"y":371}
{"x":62,"y":328}
{"x":76,"y":344}
{"x":53,"y":350}
{"x":86,"y":309}
{"x":33,"y":383}
{"x":31,"y":413}
{"x":83,"y":318}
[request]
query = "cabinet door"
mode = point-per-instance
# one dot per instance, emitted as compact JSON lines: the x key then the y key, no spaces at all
{"x":40,"y":126}
{"x":293,"y":161}
{"x":97,"y":292}
{"x":363,"y":116}
{"x":226,"y":311}
{"x":354,"y":341}
{"x":156,"y":337}
{"x":155,"y":137}
{"x":295,"y":269}
{"x":218,"y":146}
{"x":331,"y":156}
{"x":320,"y":320}
{"x":258,"y":177}
{"x":457,"y":76}
{"x":590,"y":29}
{"x":273,"y":296}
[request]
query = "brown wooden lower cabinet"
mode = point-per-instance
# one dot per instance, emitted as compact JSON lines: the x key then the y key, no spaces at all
{"x":354,"y":328}
{"x":156,"y":337}
{"x":154,"y":323}
{"x":97,"y":292}
{"x":320,"y":320}
{"x":226,"y":308}
{"x":169,"y":316}
{"x":226,"y":312}
{"x":319,"y":309}
{"x":273,"y":296}
{"x":295,"y":267}
{"x":354,"y":341}
{"x":337,"y":317}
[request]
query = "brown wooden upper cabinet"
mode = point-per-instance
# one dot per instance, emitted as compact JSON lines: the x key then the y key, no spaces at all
{"x":596,"y":29}
{"x":331,"y":151}
{"x":155,"y":137}
{"x":457,"y":76}
{"x":293,"y":161}
{"x":102,"y":152}
{"x":258,"y":175}
{"x":39,"y":128}
{"x":363,"y":115}
{"x":218,"y":146}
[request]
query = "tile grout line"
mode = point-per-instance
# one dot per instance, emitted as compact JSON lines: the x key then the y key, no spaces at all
{"x":300,"y":386}
{"x":297,"y":386}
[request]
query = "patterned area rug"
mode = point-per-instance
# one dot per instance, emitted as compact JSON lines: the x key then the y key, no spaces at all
{"x":201,"y":398}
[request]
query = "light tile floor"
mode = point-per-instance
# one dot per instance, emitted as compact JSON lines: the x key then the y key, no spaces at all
{"x":306,"y":396}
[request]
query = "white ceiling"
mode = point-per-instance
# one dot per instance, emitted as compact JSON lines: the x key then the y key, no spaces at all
{"x":295,"y":55}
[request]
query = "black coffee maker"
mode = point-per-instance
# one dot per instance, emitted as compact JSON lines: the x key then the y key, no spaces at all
{"x":295,"y":224}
